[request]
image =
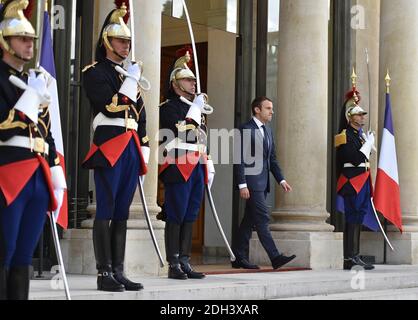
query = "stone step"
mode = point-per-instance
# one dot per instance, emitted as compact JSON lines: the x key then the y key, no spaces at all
{"x":257,"y":286}
{"x":393,"y":294}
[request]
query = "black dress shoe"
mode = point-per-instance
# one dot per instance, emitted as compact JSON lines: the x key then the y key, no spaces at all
{"x":281,"y":260}
{"x":106,"y":282}
{"x":191,"y":274}
{"x":244,"y":264}
{"x":175,"y":272}
{"x":357,"y":262}
{"x":128,"y":284}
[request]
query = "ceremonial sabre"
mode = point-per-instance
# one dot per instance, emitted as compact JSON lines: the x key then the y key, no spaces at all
{"x":41,"y":7}
{"x":132,"y":21}
{"x":59,"y":253}
{"x":199,"y":90}
{"x":143,"y":82}
{"x":189,"y":23}
{"x":369,"y":84}
{"x":380,"y":225}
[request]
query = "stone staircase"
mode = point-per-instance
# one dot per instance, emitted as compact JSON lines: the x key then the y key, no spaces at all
{"x":386,"y":282}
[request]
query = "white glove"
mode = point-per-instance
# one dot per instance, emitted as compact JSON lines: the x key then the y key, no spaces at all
{"x":59,"y":196}
{"x":146,"y":151}
{"x":59,"y":184}
{"x":36,"y":94}
{"x":211,"y":173}
{"x":368,"y":146}
{"x":130,"y":85}
{"x":196,"y":108}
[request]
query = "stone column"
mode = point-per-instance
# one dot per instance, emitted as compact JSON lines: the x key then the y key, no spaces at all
{"x":299,"y":220}
{"x":140,"y":254}
{"x":399,"y":53}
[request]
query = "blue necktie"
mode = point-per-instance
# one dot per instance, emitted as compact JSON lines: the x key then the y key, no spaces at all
{"x":265,"y":140}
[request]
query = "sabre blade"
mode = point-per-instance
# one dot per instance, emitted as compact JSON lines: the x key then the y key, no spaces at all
{"x":41,"y":9}
{"x":369,"y":84}
{"x":59,"y":254}
{"x":196,"y":63}
{"x":218,"y":224}
{"x":380,"y":226}
{"x":132,"y":22}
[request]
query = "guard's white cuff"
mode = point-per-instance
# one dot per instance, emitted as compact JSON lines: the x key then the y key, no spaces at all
{"x":58,"y":178}
{"x":366,"y":149}
{"x":211,"y":167}
{"x":29,"y":104}
{"x":130,"y":89}
{"x":146,"y":151}
{"x":242,"y":186}
{"x":282,"y":182}
{"x":195,"y":114}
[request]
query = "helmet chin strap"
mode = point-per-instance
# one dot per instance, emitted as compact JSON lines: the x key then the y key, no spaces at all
{"x":358,"y":124}
{"x":11,"y":51}
{"x":21,"y":58}
{"x":120,"y":56}
{"x":184,"y":90}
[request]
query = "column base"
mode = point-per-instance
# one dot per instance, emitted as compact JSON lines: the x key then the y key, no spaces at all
{"x":140,"y":257}
{"x":405,"y":245}
{"x":314,"y":250}
{"x":406,"y":248}
{"x":371,"y":244}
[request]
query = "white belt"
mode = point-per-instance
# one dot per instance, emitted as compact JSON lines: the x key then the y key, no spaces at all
{"x":361,"y":165}
{"x":102,"y":120}
{"x":177,"y":144}
{"x":37,"y":145}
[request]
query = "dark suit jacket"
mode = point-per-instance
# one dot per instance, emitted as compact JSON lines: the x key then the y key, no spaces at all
{"x":256,"y":162}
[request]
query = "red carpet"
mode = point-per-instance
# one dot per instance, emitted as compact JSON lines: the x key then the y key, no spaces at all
{"x":263,"y":270}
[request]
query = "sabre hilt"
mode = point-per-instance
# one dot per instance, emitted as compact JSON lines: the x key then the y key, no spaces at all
{"x":207,"y":109}
{"x":142,"y":82}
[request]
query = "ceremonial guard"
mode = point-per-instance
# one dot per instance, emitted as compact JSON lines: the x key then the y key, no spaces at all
{"x":354,"y":185}
{"x":120,"y":149}
{"x":31,"y":180}
{"x":186,"y":167}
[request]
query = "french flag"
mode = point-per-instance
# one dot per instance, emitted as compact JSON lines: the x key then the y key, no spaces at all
{"x":48,"y":66}
{"x":387,"y":197}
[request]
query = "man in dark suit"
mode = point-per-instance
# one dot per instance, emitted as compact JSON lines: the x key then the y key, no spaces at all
{"x":258,"y":159}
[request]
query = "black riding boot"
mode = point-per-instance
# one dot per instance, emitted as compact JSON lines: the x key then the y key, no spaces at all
{"x":103,"y":253}
{"x":18,"y":283}
{"x":186,"y":235}
{"x":172,"y":247}
{"x":352,"y":248}
{"x":118,"y":231}
{"x":4,"y":274}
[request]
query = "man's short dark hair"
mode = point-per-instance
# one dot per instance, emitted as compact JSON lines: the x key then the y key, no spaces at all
{"x":258,"y":102}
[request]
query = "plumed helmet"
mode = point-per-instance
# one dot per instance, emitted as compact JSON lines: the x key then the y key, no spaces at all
{"x":14,"y":21}
{"x":182,"y":66}
{"x":115,"y":25}
{"x":354,"y":111}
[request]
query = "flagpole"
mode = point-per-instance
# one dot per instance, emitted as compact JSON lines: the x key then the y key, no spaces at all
{"x":51,"y":16}
{"x":41,"y":8}
{"x":385,"y":248}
